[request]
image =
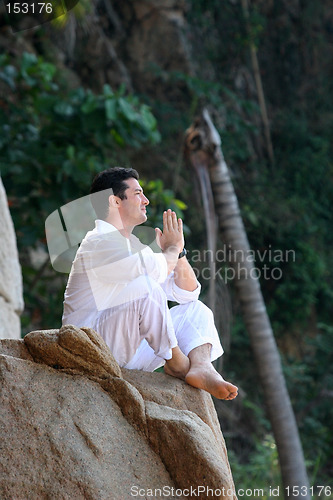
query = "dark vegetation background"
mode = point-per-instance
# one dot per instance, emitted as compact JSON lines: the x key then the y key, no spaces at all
{"x":118,"y":83}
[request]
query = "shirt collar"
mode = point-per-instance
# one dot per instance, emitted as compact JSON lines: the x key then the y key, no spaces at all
{"x":104,"y":227}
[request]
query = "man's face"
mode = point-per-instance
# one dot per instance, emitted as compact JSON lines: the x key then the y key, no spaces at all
{"x":133,"y":209}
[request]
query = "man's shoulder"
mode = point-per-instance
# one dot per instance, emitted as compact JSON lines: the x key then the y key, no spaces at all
{"x":94,"y":237}
{"x":105,"y":247}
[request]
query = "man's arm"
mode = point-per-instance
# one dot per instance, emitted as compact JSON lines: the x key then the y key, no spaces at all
{"x":172,"y":243}
{"x":184,"y":275}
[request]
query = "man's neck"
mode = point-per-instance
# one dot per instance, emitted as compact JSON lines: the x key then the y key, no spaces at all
{"x":118,"y":224}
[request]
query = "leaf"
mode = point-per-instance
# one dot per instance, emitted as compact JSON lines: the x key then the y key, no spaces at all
{"x":67,"y":167}
{"x":64,"y":109}
{"x":127,"y":110}
{"x":33,"y":132}
{"x":90,"y":104}
{"x":180,"y":204}
{"x":28,"y":60}
{"x":122,"y":90}
{"x":70,"y":150}
{"x":110,"y":109}
{"x":44,"y":103}
{"x":27,"y":63}
{"x":117,"y":137}
{"x":148,"y":118}
{"x":4,"y":59}
{"x":107,"y":90}
{"x":48,"y":71}
{"x":78,"y":95}
{"x":155,"y":137}
{"x":8,"y":75}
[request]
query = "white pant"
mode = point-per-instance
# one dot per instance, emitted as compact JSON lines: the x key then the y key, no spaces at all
{"x":142,"y":332}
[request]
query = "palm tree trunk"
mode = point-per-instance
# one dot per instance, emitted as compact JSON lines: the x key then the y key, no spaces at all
{"x":211,"y":227}
{"x":203,"y":147}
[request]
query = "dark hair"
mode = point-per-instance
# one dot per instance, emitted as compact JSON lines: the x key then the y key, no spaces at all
{"x":110,"y":181}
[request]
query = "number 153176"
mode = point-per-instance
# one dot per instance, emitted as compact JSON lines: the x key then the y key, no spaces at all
{"x":324,"y":491}
{"x":29,"y":8}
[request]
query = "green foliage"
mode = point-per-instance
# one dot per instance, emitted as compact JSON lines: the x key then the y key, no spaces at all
{"x":261,"y":472}
{"x":310,"y":382}
{"x":300,"y":190}
{"x":236,"y":111}
{"x":52,"y":142}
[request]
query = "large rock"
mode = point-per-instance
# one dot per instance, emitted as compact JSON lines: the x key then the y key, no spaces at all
{"x":73,"y":348}
{"x":73,"y":425}
{"x":11,"y":299}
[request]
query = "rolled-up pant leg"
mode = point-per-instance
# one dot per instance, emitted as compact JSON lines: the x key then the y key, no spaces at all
{"x":194,"y":326}
{"x":143,"y":317}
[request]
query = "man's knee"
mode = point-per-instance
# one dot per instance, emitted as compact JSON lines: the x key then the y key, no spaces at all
{"x":198,"y":307}
{"x":205,"y":309}
{"x":142,"y":286}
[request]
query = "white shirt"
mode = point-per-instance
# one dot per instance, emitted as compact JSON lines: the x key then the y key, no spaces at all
{"x":105,"y":264}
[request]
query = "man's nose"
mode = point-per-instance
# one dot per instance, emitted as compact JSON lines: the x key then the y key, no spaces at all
{"x":145,"y":200}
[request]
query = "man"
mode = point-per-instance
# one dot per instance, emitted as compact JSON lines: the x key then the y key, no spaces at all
{"x":120,"y":288}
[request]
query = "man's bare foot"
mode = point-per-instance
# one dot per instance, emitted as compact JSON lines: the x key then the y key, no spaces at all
{"x":207,"y":378}
{"x":178,"y":365}
{"x":198,"y":371}
{"x":203,"y":375}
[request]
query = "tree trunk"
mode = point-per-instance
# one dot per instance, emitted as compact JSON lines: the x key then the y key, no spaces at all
{"x":210,"y":220}
{"x":203,"y":147}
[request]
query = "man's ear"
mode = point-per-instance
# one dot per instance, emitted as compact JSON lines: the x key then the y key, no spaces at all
{"x":114,"y":201}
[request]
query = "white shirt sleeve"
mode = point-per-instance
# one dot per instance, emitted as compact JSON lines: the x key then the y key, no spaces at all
{"x":111,"y":262}
{"x":176,"y":294}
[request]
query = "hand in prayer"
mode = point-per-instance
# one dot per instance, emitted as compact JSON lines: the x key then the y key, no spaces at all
{"x":172,"y":236}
